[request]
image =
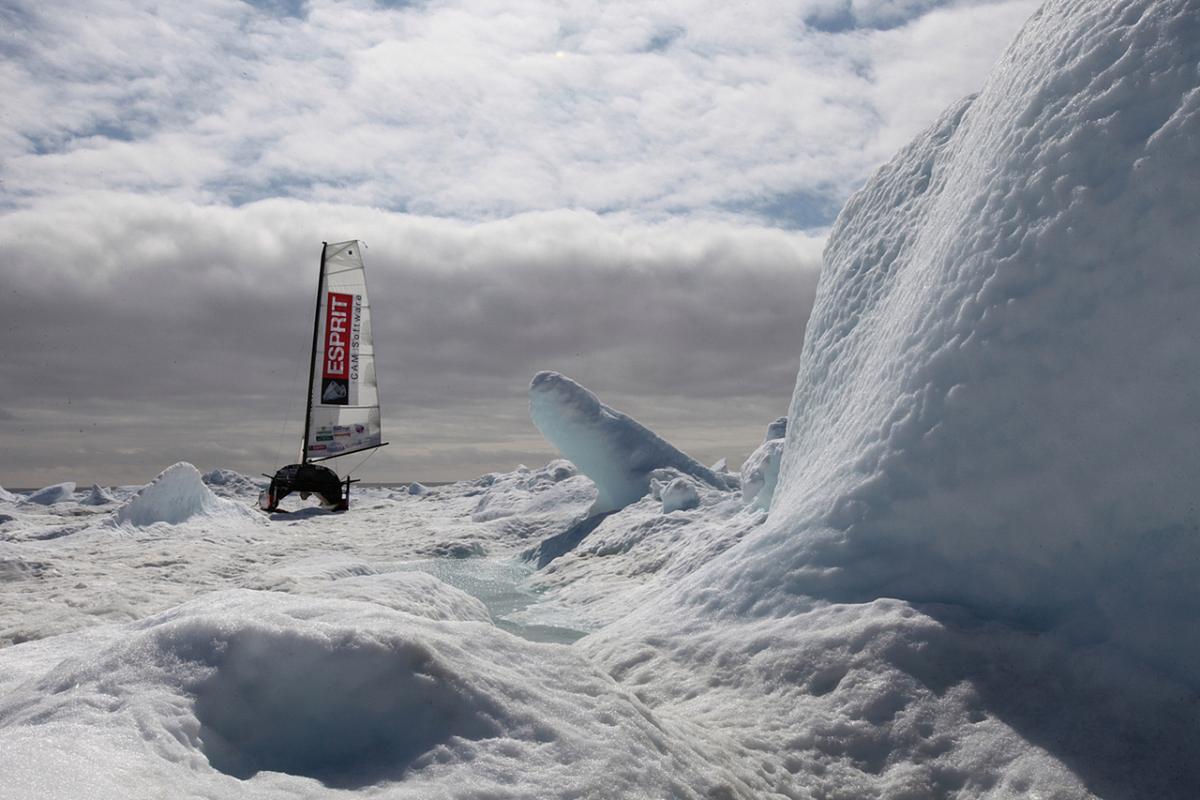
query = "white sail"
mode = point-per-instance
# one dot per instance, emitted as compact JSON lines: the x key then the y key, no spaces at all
{"x":344,"y":414}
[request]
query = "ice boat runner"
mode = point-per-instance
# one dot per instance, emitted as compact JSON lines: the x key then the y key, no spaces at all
{"x":343,"y":398}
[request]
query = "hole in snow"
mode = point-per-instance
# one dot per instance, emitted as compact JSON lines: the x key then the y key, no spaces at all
{"x":349,"y":713}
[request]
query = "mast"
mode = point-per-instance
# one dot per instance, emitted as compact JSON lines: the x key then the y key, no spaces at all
{"x":312,"y":357}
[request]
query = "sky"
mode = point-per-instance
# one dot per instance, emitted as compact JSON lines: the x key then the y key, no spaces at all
{"x":633,"y":194}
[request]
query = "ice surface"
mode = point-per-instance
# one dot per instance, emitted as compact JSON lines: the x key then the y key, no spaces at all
{"x":49,"y":495}
{"x":614,"y":450}
{"x":177,"y":494}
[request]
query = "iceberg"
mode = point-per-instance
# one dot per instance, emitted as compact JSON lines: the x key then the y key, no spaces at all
{"x":616,"y":451}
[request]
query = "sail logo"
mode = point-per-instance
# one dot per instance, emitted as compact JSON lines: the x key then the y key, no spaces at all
{"x":336,"y":353}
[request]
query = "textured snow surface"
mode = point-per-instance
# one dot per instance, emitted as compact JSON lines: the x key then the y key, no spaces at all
{"x":615,"y":451}
{"x":177,"y":494}
{"x":998,"y":389}
{"x":242,"y":693}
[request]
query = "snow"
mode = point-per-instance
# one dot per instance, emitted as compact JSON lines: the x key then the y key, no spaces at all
{"x":680,"y":495}
{"x":760,"y":471}
{"x":7,"y":496}
{"x":977,"y":577}
{"x":50,"y":495}
{"x":615,"y":451}
{"x":177,"y":494}
{"x":98,"y":496}
{"x":998,"y":385}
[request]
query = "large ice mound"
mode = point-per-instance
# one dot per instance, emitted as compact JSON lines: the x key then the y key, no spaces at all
{"x":176,"y":495}
{"x":616,"y":451}
{"x":999,"y":383}
{"x":49,"y":495}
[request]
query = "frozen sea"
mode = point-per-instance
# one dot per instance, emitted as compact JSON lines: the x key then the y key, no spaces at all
{"x":966,"y":564}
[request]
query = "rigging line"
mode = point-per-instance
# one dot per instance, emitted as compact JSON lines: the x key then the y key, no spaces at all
{"x":365,"y":460}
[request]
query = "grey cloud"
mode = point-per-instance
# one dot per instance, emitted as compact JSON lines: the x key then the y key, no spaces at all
{"x":165,"y":321}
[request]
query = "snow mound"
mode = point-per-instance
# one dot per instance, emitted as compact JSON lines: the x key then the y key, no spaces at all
{"x":679,"y":495}
{"x":529,"y":491}
{"x":98,"y":496}
{"x":48,"y":496}
{"x":614,"y":450}
{"x":7,"y":496}
{"x":176,"y":495}
{"x":229,"y":482}
{"x":281,"y":692}
{"x":996,"y":404}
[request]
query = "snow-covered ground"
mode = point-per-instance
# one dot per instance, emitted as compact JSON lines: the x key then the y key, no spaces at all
{"x":969,"y":568}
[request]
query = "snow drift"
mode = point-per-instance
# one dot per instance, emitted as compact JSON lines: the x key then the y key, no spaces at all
{"x":616,"y":451}
{"x":176,"y":495}
{"x":996,"y":403}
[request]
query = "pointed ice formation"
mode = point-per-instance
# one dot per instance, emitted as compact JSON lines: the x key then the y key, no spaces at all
{"x":98,"y":496}
{"x":616,"y":451}
{"x":176,"y":495}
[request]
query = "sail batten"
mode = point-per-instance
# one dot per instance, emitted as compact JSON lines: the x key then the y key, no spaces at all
{"x":343,"y":392}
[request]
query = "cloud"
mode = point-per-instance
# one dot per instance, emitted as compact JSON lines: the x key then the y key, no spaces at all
{"x":633,"y":194}
{"x":452,"y":110}
{"x":168,"y":320}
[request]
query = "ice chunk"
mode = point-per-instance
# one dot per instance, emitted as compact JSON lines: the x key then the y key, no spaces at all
{"x":176,"y":495}
{"x":680,"y":495}
{"x":98,"y":496}
{"x":777,"y":429}
{"x":760,"y":473}
{"x":614,"y":450}
{"x":416,"y":488}
{"x":7,"y":496}
{"x":50,"y":495}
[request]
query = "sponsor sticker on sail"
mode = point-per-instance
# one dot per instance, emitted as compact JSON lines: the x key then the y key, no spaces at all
{"x":336,"y":354}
